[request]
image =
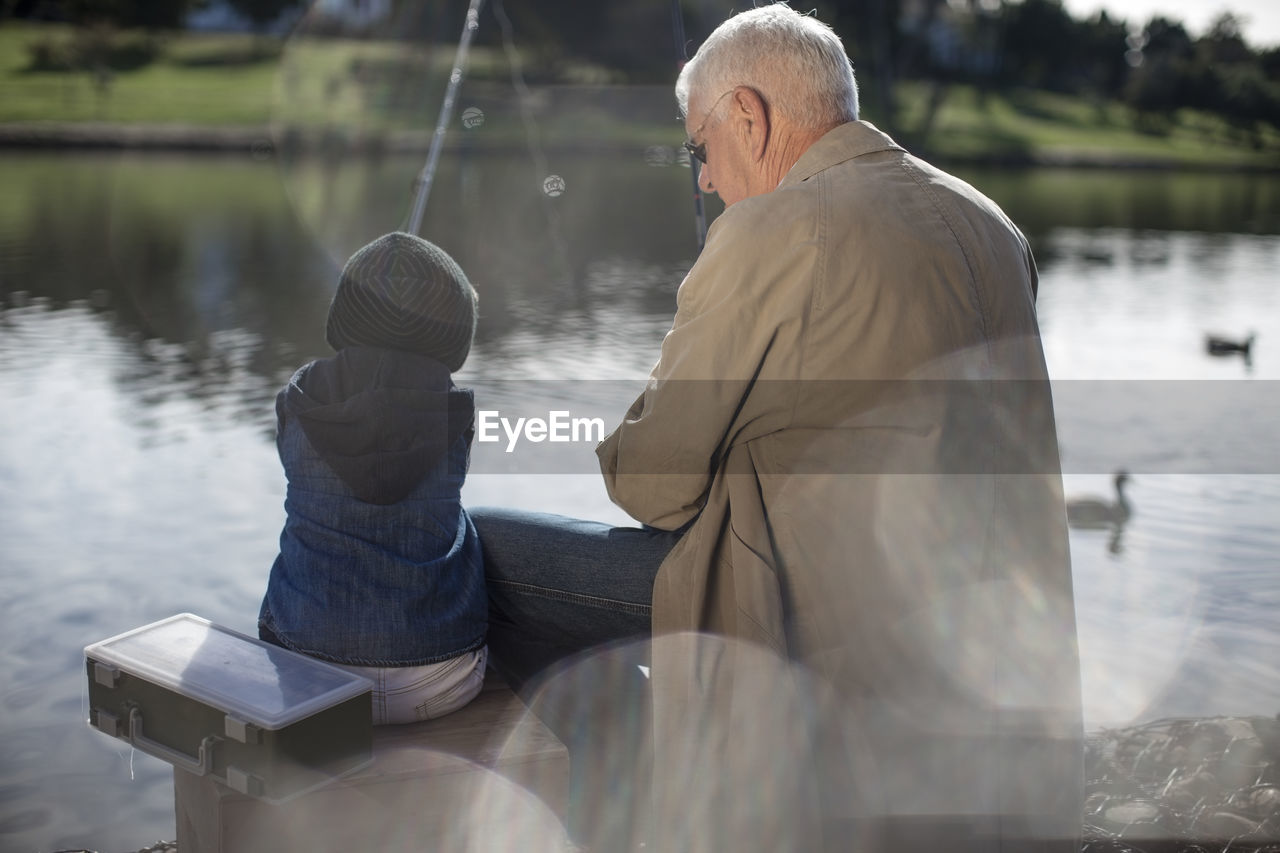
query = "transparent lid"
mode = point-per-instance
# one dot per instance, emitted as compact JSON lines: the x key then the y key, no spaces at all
{"x":254,"y":681}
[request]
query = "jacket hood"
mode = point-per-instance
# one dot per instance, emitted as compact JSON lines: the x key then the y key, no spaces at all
{"x":381,"y":419}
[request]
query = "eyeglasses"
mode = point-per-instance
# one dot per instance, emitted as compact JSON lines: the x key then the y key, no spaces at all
{"x":700,"y":150}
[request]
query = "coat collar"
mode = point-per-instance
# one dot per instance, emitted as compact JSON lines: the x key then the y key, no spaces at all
{"x":849,"y":140}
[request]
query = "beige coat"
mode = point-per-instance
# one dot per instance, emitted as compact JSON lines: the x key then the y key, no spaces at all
{"x":852,"y":408}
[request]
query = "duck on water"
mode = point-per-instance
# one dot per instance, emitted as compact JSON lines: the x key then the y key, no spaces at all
{"x":1092,"y":513}
{"x":1222,"y":345}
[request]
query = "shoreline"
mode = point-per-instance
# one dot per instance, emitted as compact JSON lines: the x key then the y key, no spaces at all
{"x":257,"y":140}
{"x":260,"y":142}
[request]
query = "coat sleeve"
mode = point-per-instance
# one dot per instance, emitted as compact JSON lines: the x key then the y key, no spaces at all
{"x":739,"y":316}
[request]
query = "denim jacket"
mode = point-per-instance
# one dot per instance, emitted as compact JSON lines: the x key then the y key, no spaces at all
{"x":379,"y":564}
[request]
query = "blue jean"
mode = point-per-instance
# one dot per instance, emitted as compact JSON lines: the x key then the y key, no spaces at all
{"x":569,"y":610}
{"x":560,"y":586}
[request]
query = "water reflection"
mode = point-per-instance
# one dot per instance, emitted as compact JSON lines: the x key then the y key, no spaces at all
{"x":1043,"y":201}
{"x":150,"y":308}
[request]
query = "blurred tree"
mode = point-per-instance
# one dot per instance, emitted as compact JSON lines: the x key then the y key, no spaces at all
{"x":261,"y":13}
{"x":1269,"y":62}
{"x":1153,"y":92}
{"x":433,"y":21}
{"x":97,"y":44}
{"x":160,"y":14}
{"x":1224,"y":42}
{"x":945,"y":43}
{"x":1103,"y":43}
{"x":1230,"y":80}
{"x":638,"y":39}
{"x":1040,"y":46}
{"x":39,"y":10}
{"x":555,"y":32}
{"x":1216,"y":73}
{"x":144,"y":14}
{"x":1161,"y":79}
{"x":874,"y":42}
{"x":91,"y":12}
{"x":1167,"y":37}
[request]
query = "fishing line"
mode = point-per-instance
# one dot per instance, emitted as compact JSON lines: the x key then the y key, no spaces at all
{"x":682,"y":57}
{"x":532,"y":136}
{"x":523,"y":96}
{"x":524,"y":99}
{"x":428,"y":173}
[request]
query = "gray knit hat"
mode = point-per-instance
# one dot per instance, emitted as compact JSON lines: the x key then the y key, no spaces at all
{"x":401,"y":292}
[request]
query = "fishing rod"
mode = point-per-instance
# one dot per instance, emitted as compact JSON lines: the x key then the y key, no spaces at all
{"x":428,"y":173}
{"x":682,"y":57}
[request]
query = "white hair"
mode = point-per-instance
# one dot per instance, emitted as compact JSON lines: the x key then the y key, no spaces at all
{"x":796,"y":63}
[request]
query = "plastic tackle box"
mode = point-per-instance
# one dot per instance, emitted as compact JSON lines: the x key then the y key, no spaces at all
{"x":264,"y":720}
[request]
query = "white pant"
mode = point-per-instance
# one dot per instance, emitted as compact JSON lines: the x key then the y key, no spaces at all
{"x":411,"y":694}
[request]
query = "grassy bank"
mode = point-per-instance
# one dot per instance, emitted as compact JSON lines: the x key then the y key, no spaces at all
{"x":52,"y":74}
{"x":46,"y":75}
{"x":1051,"y":128}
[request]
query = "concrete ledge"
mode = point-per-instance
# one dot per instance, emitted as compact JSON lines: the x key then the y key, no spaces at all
{"x":487,"y":772}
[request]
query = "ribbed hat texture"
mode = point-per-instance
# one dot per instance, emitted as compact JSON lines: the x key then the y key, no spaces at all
{"x":401,"y":292}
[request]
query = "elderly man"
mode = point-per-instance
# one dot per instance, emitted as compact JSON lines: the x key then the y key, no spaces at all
{"x":846,"y":463}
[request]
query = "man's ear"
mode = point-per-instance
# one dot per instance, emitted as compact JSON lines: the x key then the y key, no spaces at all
{"x":752,"y":108}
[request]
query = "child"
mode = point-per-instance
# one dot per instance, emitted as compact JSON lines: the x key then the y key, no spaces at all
{"x":379,"y":568}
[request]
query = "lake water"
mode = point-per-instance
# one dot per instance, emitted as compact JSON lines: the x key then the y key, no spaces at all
{"x":151,"y":306}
